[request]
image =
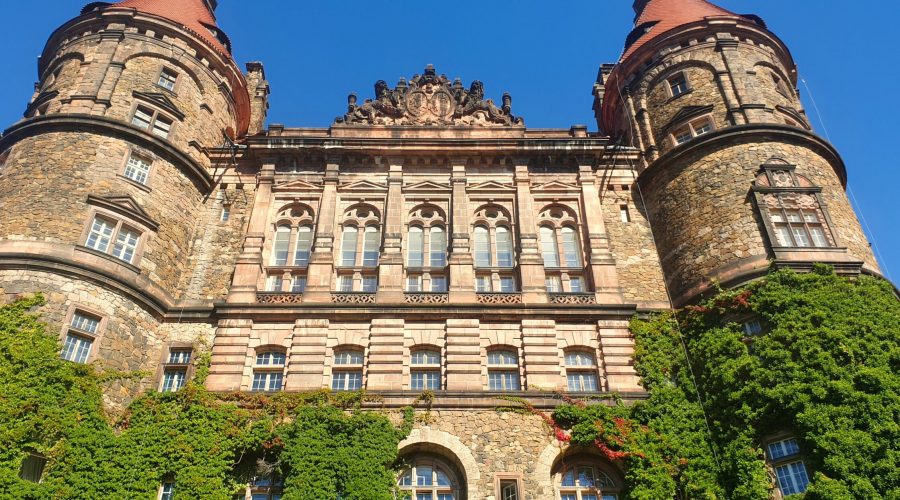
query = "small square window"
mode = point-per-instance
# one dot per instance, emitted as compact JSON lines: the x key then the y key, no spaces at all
{"x":345,"y":283}
{"x":682,"y":135}
{"x":783,"y":448}
{"x":370,"y":284}
{"x":167,"y":79}
{"x":483,"y":284}
{"x":173,"y":379}
{"x":438,"y":284}
{"x":553,"y":284}
{"x":678,"y":84}
{"x":84,"y":322}
{"x":413,"y":283}
{"x":179,"y":357}
{"x":76,"y":348}
{"x":507,"y":284}
{"x":702,"y":127}
{"x":137,"y":169}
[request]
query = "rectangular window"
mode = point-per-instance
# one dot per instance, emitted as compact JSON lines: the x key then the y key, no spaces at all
{"x":370,"y":284}
{"x":162,"y":126}
{"x":142,"y":117}
{"x":275,"y":283}
{"x":784,"y":448}
{"x":167,"y":491}
{"x":753,"y":327}
{"x":482,"y":247}
{"x":792,"y":478}
{"x":582,"y":382}
{"x":509,"y":490}
{"x":179,"y":357}
{"x":167,"y":79}
{"x":346,"y":381}
{"x":370,"y":247}
{"x":576,"y":284}
{"x":76,"y":348}
{"x":439,"y":284}
{"x":267,"y":381}
{"x":225,"y":214}
{"x":682,"y":135}
{"x":416,"y":243}
{"x":413,"y":283}
{"x":425,"y":380}
{"x":624,"y":214}
{"x":126,"y":244}
{"x":33,"y":468}
{"x":100,"y":234}
{"x":503,"y":380}
{"x":85,"y":323}
{"x":299,"y":284}
{"x":504,"y":248}
{"x":483,"y":284}
{"x":507,"y":284}
{"x":137,"y":169}
{"x":678,"y":84}
{"x":173,"y":379}
{"x":345,"y":283}
{"x":553,"y":284}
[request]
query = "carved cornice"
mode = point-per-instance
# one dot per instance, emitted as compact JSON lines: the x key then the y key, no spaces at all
{"x":98,"y":124}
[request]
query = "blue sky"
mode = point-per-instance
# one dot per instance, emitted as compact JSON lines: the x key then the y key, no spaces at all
{"x":545,"y":54}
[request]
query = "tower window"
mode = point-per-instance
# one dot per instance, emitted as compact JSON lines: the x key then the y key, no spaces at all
{"x":150,"y":120}
{"x":167,"y":79}
{"x":694,"y":128}
{"x":137,"y":169}
{"x":175,"y":369}
{"x":790,"y":471}
{"x":624,"y":214}
{"x":80,"y":336}
{"x":678,"y":84}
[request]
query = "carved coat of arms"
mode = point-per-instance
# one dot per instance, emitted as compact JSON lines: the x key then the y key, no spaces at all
{"x":429,"y":99}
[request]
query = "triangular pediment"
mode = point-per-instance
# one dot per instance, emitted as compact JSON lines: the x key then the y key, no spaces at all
{"x":125,"y":206}
{"x":491,"y":186}
{"x":426,"y":186}
{"x":555,"y":186}
{"x":686,"y":113}
{"x":363,"y":186}
{"x":297,"y":185}
{"x":161,"y":101}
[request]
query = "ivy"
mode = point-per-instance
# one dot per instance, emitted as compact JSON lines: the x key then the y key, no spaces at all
{"x":826,"y":369}
{"x":321,"y":443}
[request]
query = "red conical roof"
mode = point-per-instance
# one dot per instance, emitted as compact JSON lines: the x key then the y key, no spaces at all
{"x":194,"y":15}
{"x":668,"y":14}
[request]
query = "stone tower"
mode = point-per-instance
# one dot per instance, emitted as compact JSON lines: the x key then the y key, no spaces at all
{"x":108,"y":183}
{"x":732,"y":175}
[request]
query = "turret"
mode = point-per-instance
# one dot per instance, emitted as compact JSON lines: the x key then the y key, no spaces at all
{"x":110,"y":176}
{"x":731,"y":173}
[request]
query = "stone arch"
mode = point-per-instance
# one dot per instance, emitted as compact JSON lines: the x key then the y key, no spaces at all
{"x":171,"y":61}
{"x":449,"y":447}
{"x":551,"y":461}
{"x":660,"y":72}
{"x":774,"y":67}
{"x":61,"y":60}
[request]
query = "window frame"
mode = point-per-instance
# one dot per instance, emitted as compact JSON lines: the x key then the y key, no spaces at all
{"x":145,"y":158}
{"x":167,"y":71}
{"x":689,"y":128}
{"x":581,"y":370}
{"x":504,"y":369}
{"x":791,"y":458}
{"x":671,"y":86}
{"x":119,"y":223}
{"x":167,"y":364}
{"x":95,"y":337}
{"x":154,"y":116}
{"x":269,"y":370}
{"x":344,"y":369}
{"x":508,"y":477}
{"x":426,"y":368}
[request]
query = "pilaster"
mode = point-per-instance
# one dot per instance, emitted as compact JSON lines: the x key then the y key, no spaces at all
{"x":390,"y":262}
{"x":531,"y":264}
{"x":464,"y":355}
{"x":600,"y":259}
{"x":249,"y":263}
{"x":541,"y":354}
{"x":307,"y":353}
{"x":229,"y":354}
{"x":617,"y":347}
{"x":321,"y":260}
{"x":386,"y":359}
{"x":462,"y":270}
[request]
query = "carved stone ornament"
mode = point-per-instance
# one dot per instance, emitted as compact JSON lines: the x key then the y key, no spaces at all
{"x":430,"y":99}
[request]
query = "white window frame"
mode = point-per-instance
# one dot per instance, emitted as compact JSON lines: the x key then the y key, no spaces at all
{"x":138,"y":168}
{"x":168,"y":79}
{"x":113,"y":245}
{"x":155,"y":122}
{"x":692,"y":129}
{"x":678,"y":84}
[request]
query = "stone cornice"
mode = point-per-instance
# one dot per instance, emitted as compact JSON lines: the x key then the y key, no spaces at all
{"x":66,"y":122}
{"x":737,"y":134}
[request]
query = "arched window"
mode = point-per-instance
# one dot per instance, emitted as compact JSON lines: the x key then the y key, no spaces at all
{"x":586,"y":479}
{"x":503,"y":370}
{"x":561,"y":250}
{"x":581,"y":371}
{"x":268,"y":370}
{"x":425,"y":369}
{"x":347,"y":372}
{"x":429,"y":479}
{"x":426,"y":251}
{"x":360,"y":249}
{"x":291,"y":247}
{"x":495,"y":258}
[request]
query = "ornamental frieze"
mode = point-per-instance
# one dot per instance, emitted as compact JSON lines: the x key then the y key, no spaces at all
{"x":431,"y":100}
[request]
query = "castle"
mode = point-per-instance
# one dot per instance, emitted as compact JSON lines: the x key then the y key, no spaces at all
{"x":426,"y":241}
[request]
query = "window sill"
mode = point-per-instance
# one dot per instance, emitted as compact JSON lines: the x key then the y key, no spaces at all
{"x":104,"y":255}
{"x":142,"y":187}
{"x":675,"y":97}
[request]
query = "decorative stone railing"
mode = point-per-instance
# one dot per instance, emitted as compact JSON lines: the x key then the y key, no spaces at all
{"x":572,"y":298}
{"x":427,"y":298}
{"x":499,"y":298}
{"x":353,"y":298}
{"x":279,"y":298}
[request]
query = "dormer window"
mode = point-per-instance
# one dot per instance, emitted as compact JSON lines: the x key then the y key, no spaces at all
{"x":678,"y":84}
{"x":167,"y":79}
{"x":695,"y":128}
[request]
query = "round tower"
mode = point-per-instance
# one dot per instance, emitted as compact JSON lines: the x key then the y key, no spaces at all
{"x":107,"y":182}
{"x":732,"y":176}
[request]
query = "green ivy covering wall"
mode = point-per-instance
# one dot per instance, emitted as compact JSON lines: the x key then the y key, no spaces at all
{"x":825,"y":369}
{"x":210,"y":444}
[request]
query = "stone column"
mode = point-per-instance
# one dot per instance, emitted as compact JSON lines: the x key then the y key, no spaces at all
{"x":541,"y":353}
{"x":390,"y":262}
{"x":464,"y":355}
{"x":617,"y":347}
{"x":385,"y":370}
{"x":84,"y":99}
{"x":229,"y":354}
{"x":734,"y":101}
{"x":249,"y":263}
{"x":531,"y":264}
{"x":321,"y":260}
{"x":602,"y":265}
{"x":307,"y":353}
{"x":462,"y":265}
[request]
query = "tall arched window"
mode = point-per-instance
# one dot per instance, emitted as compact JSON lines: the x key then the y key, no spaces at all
{"x":291,"y":246}
{"x":429,"y":479}
{"x":584,"y":478}
{"x":360,"y":248}
{"x":426,"y":250}
{"x":495,"y":258}
{"x":503,"y":369}
{"x":425,"y":369}
{"x":347,"y":372}
{"x":561,"y":250}
{"x":268,"y":370}
{"x":581,"y":371}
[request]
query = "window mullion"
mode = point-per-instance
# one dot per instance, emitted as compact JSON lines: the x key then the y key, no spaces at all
{"x":360,"y":245}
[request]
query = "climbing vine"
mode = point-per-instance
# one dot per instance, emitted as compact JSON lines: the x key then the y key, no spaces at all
{"x":322,"y":444}
{"x":825,"y":368}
